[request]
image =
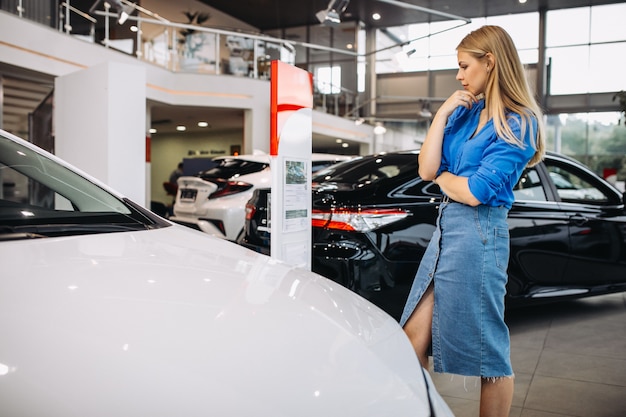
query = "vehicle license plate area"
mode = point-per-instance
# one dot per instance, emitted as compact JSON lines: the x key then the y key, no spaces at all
{"x":188,"y":194}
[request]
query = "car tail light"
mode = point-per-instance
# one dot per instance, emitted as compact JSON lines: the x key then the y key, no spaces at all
{"x":359,"y":220}
{"x":225,"y":188}
{"x":250,"y":210}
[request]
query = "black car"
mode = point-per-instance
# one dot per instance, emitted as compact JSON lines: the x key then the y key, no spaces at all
{"x":373,"y":217}
{"x":256,"y":229}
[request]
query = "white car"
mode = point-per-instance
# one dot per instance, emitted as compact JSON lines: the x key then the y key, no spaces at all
{"x":214,"y":201}
{"x":109,"y":310}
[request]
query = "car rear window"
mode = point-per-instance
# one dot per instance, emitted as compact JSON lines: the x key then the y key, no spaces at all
{"x":369,"y":170}
{"x":229,"y":167}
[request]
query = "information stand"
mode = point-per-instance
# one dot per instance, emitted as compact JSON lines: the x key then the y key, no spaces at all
{"x":290,"y":148}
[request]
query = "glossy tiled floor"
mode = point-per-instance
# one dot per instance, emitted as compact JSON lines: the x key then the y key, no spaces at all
{"x":569,"y":359}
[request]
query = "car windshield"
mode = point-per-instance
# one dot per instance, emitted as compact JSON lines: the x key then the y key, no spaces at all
{"x":231,"y":167}
{"x":369,"y":170}
{"x":42,"y":198}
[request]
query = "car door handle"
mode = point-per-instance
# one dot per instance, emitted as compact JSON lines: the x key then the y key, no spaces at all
{"x":578,"y":219}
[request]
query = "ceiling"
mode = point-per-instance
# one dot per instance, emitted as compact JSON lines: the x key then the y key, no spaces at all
{"x":277,"y":14}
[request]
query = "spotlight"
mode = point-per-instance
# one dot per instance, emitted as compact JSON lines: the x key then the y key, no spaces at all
{"x":125,"y":12}
{"x":331,"y":15}
{"x":401,"y":59}
{"x":379,"y":129}
{"x":425,"y":111}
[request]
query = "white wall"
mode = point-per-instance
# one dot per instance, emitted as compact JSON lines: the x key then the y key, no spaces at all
{"x":100,"y":115}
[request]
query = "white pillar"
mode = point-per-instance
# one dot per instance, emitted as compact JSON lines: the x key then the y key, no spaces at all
{"x":100,"y":122}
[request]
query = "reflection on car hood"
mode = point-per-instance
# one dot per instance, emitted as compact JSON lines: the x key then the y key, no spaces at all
{"x":134,"y":324}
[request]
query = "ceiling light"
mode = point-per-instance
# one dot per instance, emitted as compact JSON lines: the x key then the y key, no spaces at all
{"x":376,"y":16}
{"x":379,"y":129}
{"x":401,"y":59}
{"x":181,"y":128}
{"x":152,"y":130}
{"x":203,"y":124}
{"x":125,"y":12}
{"x":331,"y":15}
{"x":328,"y":17}
{"x":425,"y":111}
{"x":345,"y":145}
{"x":338,"y":140}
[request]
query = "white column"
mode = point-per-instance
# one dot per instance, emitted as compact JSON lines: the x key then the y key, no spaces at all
{"x":100,"y":122}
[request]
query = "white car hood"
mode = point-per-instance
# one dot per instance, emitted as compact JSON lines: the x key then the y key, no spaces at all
{"x":133,"y":324}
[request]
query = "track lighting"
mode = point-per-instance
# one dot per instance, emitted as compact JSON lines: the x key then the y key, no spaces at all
{"x":331,"y":16}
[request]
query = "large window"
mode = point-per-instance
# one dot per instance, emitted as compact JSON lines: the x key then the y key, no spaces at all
{"x":595,"y":139}
{"x":590,"y":58}
{"x":328,"y":79}
{"x":432,"y":46}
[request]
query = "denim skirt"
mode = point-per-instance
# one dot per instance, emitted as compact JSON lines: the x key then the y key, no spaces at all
{"x":467,"y":260}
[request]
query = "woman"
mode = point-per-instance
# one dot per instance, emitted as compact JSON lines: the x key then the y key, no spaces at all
{"x":478,"y":145}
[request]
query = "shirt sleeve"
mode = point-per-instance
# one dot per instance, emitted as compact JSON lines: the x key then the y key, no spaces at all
{"x":500,"y":161}
{"x":449,"y":132}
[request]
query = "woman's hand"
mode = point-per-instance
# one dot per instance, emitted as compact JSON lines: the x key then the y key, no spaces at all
{"x":430,"y":153}
{"x":458,"y":98}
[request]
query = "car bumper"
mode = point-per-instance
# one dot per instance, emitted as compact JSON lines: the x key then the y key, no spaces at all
{"x":357,"y":265}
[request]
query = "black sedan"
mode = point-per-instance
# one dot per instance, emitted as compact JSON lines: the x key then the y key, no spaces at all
{"x":373,"y":217}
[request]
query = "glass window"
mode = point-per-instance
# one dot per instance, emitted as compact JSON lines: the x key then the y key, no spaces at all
{"x":586,"y":69}
{"x":560,"y":25}
{"x":589,"y":58}
{"x":447,"y":35}
{"x":606,"y":67}
{"x":569,"y":69}
{"x":607,"y":23}
{"x":523,"y":28}
{"x":328,"y":80}
{"x":595,"y":139}
{"x":529,"y":187}
{"x":574,"y":187}
{"x":432,"y":46}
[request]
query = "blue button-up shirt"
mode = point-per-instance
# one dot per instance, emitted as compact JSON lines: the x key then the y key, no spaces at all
{"x":492,"y":165}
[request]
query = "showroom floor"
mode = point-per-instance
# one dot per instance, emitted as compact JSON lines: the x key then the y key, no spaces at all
{"x":569,"y":359}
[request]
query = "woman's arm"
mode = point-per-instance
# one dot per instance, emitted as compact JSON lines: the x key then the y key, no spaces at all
{"x":430,"y":153}
{"x":457,"y":188}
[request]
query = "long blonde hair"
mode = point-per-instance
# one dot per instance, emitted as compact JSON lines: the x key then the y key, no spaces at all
{"x":507,"y":89}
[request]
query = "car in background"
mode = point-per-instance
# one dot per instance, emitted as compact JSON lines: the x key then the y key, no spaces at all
{"x":107,"y":309}
{"x":257,"y":226}
{"x":213,"y":201}
{"x":373,"y":217}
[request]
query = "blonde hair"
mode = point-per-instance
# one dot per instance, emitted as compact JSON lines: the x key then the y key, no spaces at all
{"x":507,"y":89}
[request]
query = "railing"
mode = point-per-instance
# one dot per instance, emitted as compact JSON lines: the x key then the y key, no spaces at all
{"x":65,"y":11}
{"x":183,"y":47}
